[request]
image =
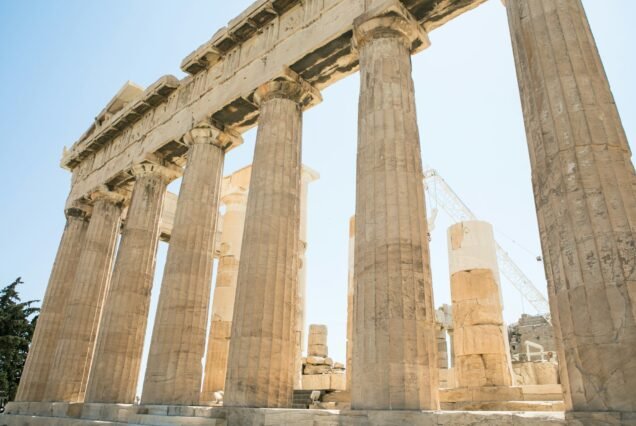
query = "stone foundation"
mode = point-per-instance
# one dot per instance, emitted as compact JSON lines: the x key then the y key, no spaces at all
{"x":18,"y":414}
{"x":503,"y":398}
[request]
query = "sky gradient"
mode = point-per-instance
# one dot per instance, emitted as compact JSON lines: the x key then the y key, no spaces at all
{"x":62,"y":61}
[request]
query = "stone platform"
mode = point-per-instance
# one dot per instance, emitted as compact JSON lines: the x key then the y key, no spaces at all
{"x":59,"y":414}
{"x":503,"y":398}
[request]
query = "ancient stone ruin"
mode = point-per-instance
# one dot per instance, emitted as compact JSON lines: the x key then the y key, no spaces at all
{"x":265,"y":69}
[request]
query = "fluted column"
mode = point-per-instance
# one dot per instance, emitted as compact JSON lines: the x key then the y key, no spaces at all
{"x":224,"y":292}
{"x":74,"y":351}
{"x":307,"y":176}
{"x":120,"y":340}
{"x":174,"y":371}
{"x":262,"y":349}
{"x":585,"y":195}
{"x":350,"y":291}
{"x":38,"y":364}
{"x":394,"y":331}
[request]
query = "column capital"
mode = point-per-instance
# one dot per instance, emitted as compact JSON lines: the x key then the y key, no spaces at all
{"x":391,"y":21}
{"x":103,"y":193}
{"x":77,"y":209}
{"x":206,"y":133}
{"x":235,"y":198}
{"x":144,"y":169}
{"x":309,"y":175}
{"x":294,"y":89}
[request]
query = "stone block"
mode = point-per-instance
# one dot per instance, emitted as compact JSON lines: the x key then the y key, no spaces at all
{"x":316,"y":369}
{"x":521,"y":406}
{"x":482,"y":394}
{"x":456,"y":394}
{"x":109,"y":412}
{"x":479,"y":339}
{"x":542,"y":392}
{"x":317,"y":350}
{"x":315,"y":360}
{"x":497,"y":393}
{"x":536,"y":373}
{"x":447,"y":378}
{"x":315,"y":382}
{"x":317,"y":340}
{"x":324,"y":382}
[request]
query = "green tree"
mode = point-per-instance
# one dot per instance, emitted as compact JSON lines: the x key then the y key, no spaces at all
{"x":17,"y":323}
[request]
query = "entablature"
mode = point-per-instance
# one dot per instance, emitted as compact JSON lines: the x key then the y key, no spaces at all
{"x":308,"y":40}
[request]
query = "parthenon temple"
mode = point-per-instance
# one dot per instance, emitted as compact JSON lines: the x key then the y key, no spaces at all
{"x":407,"y":362}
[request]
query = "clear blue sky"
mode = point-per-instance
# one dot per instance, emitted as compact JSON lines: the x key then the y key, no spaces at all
{"x":62,"y":61}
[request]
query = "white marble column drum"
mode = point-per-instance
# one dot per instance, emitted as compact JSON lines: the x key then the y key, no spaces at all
{"x":261,"y":360}
{"x":482,"y":354}
{"x":394,"y":330}
{"x":74,"y":350}
{"x":174,"y":371}
{"x":224,"y":292}
{"x":49,"y":326}
{"x":585,"y":194}
{"x":120,"y":340}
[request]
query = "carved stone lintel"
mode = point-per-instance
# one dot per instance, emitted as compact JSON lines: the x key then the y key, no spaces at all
{"x":393,"y":21}
{"x":298,"y":91}
{"x":205,"y":132}
{"x":103,"y":193}
{"x":144,"y":169}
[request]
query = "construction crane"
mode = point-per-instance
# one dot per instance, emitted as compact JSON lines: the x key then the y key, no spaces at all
{"x":445,"y":197}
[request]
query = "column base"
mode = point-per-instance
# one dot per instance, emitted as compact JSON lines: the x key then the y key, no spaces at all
{"x":601,"y":418}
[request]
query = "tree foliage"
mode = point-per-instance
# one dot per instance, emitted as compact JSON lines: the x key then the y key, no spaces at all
{"x":17,"y":323}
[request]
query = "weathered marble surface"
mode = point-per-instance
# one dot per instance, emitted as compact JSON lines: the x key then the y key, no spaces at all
{"x":193,"y":415}
{"x":312,"y":38}
{"x":174,"y":371}
{"x":49,"y":326}
{"x":74,"y":351}
{"x":585,"y":193}
{"x":260,"y":370}
{"x":122,"y":328}
{"x":234,"y":198}
{"x":394,"y":344}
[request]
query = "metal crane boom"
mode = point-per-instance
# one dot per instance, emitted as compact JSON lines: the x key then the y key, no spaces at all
{"x":459,"y":212}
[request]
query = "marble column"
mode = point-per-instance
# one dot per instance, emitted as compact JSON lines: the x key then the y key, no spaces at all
{"x":307,"y":176}
{"x":350,"y":291}
{"x":224,"y":292}
{"x":260,"y":370}
{"x":120,"y":340}
{"x":317,"y":341}
{"x":442,"y":349}
{"x":585,"y":195}
{"x":47,"y":332}
{"x":394,"y":330}
{"x":74,"y":352}
{"x":174,"y":371}
{"x":482,"y":355}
